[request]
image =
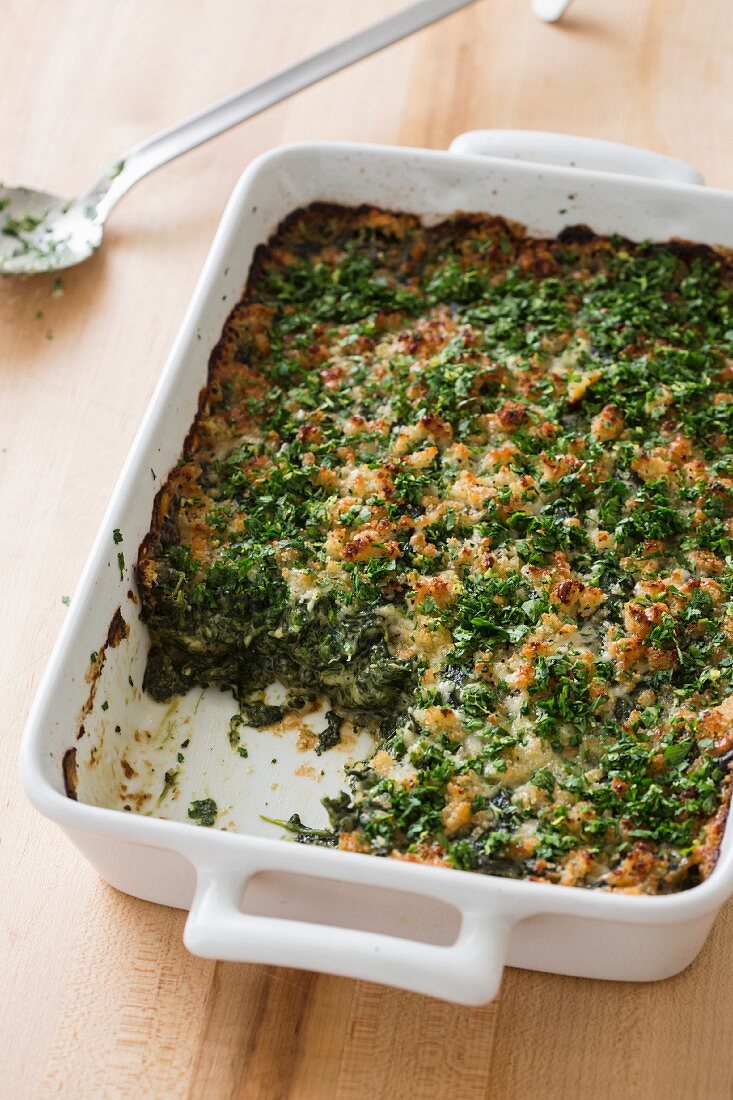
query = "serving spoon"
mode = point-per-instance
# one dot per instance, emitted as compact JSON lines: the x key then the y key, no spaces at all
{"x":41,"y":232}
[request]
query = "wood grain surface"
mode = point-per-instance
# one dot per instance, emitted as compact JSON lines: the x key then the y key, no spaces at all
{"x":98,"y":998}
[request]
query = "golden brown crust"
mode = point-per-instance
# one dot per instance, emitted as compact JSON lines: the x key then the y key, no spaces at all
{"x":449,"y":437}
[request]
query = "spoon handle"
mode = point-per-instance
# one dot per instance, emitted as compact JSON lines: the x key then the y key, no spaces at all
{"x":158,"y":150}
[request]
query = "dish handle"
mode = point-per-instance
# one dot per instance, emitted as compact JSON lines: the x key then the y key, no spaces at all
{"x":467,"y":972}
{"x":570,"y":151}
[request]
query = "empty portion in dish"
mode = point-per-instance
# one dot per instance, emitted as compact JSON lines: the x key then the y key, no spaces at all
{"x":475,"y":490}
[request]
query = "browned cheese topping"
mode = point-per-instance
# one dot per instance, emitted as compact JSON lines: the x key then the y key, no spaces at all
{"x":475,"y":489}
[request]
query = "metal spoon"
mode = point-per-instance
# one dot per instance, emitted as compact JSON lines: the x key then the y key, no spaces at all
{"x":40,"y":232}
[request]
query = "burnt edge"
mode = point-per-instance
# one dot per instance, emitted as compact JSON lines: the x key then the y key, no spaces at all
{"x":68,"y":767}
{"x":118,"y":630}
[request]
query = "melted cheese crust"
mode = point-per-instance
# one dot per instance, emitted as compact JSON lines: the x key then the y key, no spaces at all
{"x":475,"y":487}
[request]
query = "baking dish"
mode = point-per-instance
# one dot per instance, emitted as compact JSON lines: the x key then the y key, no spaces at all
{"x":253,"y":897}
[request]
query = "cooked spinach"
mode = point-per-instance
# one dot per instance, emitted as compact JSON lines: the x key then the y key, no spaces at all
{"x":474,"y":488}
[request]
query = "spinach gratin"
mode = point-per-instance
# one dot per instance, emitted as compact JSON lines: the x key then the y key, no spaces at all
{"x":475,"y":489}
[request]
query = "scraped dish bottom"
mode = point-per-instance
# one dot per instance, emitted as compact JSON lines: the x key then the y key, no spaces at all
{"x":140,"y":756}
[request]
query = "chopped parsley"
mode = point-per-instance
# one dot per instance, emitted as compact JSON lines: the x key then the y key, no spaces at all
{"x":475,"y":489}
{"x":203,"y":811}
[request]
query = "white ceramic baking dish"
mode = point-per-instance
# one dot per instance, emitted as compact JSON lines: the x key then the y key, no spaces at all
{"x":252,"y":895}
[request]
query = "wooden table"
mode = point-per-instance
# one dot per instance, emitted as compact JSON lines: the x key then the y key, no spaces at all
{"x":99,"y":998}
